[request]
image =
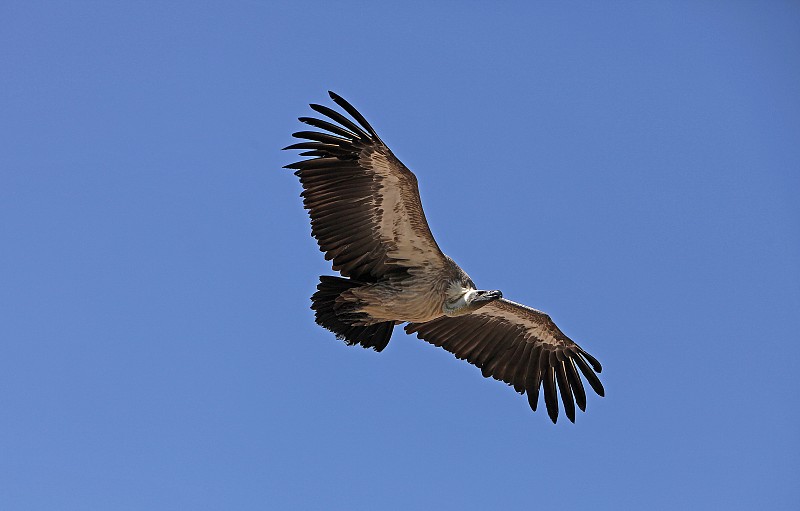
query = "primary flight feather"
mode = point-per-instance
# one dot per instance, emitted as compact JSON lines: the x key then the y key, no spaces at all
{"x":367,"y":217}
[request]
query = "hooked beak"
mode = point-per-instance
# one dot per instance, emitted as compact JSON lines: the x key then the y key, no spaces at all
{"x":488,"y":296}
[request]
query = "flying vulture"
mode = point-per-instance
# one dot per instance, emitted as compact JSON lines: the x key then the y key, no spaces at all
{"x":367,"y":217}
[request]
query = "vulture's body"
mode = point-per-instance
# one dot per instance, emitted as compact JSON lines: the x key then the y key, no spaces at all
{"x":367,"y":216}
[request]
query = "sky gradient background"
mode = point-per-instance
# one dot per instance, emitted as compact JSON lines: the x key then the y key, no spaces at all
{"x":632,"y":169}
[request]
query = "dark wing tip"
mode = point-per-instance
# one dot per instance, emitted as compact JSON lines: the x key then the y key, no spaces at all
{"x":595,"y":363}
{"x":550,"y":399}
{"x":600,"y":390}
{"x":291,"y":147}
{"x":564,"y":388}
{"x":350,"y":109}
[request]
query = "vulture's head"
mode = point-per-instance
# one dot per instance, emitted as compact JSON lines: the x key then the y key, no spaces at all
{"x":465,"y":299}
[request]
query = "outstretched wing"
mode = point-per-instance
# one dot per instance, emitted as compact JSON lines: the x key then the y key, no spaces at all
{"x":520,"y":346}
{"x":364,"y":204}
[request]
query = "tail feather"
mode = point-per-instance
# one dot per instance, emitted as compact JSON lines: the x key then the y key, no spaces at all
{"x":338,"y":321}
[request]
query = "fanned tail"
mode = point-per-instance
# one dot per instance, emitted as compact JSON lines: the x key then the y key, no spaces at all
{"x":338,"y":321}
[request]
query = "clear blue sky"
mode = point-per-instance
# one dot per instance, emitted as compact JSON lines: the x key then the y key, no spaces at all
{"x":633,"y":169}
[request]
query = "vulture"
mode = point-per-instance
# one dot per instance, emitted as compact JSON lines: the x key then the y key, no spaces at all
{"x":367,"y":218}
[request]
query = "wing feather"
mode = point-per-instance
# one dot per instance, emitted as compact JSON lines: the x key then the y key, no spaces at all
{"x":533,"y":378}
{"x":341,"y":119}
{"x":563,"y":386}
{"x":364,"y":204}
{"x":576,"y":384}
{"x":491,"y":346}
{"x":550,"y":399}
{"x":521,"y":347}
{"x":522,"y":368}
{"x":355,"y":114}
{"x":327,"y":126}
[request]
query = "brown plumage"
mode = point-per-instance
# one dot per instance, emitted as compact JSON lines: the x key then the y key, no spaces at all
{"x":367,"y":217}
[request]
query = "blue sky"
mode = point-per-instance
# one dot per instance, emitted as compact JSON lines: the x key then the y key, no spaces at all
{"x":641,"y":164}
